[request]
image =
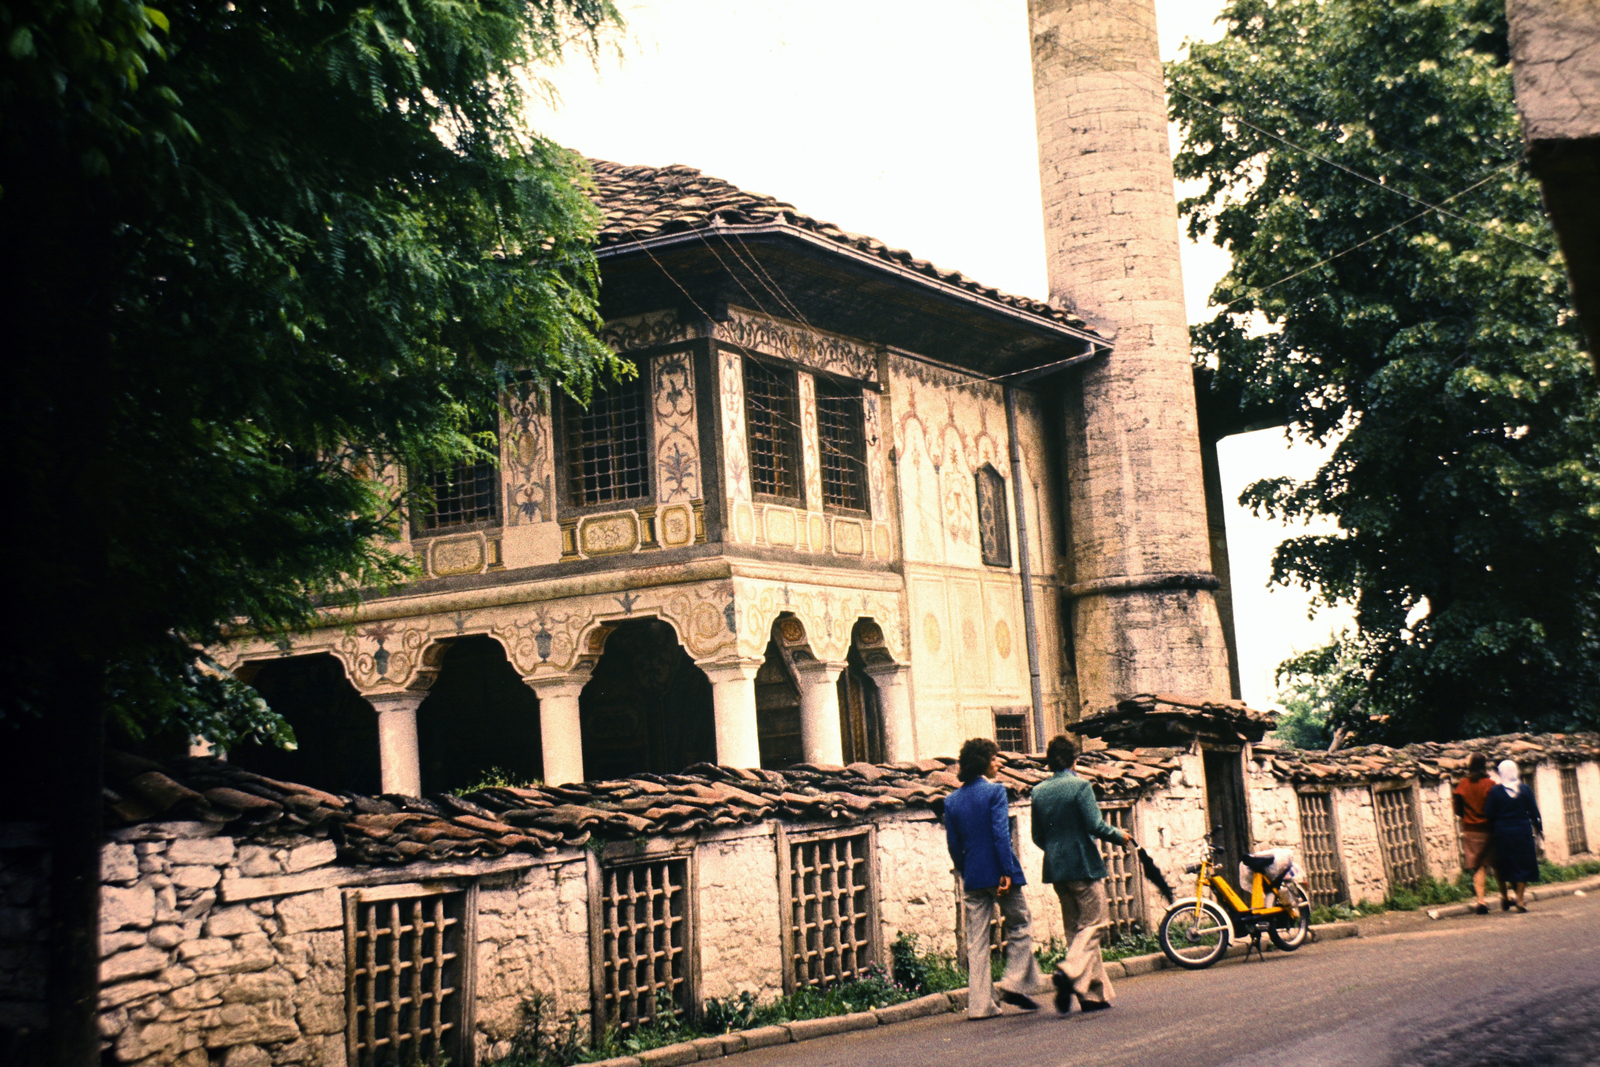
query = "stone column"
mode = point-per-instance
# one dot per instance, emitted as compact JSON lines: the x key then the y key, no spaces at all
{"x":894,"y":702}
{"x":1145,"y":619}
{"x":821,"y":736}
{"x":560,"y":736}
{"x":733,"y":698}
{"x":397,"y":741}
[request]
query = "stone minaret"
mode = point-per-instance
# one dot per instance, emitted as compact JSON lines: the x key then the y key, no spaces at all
{"x":1144,"y":617}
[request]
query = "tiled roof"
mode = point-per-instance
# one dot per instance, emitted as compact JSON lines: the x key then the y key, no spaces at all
{"x":1433,"y":759}
{"x":492,"y":822}
{"x":641,"y":202}
{"x":1156,"y":719}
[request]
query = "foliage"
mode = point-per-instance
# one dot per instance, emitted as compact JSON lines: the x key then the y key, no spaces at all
{"x":496,"y":778}
{"x":266,"y":259}
{"x":1324,"y":692}
{"x":932,"y":972}
{"x":1395,"y":289}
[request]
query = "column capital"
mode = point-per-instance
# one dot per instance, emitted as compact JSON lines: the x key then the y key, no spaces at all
{"x":888,"y":673}
{"x":819,"y":671}
{"x":547,"y":686}
{"x":738,"y":669}
{"x":396,"y":700}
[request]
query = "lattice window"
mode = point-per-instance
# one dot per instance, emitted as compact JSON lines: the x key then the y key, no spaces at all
{"x":1572,"y":809}
{"x":466,"y":494}
{"x":830,"y":909}
{"x":1124,"y":896}
{"x":1011,"y":729}
{"x":608,"y":458}
{"x":643,"y":926}
{"x":772,"y":417}
{"x":404,"y":974}
{"x":994,"y":532}
{"x":841,"y":435}
{"x":1317,"y":845}
{"x":1397,"y":831}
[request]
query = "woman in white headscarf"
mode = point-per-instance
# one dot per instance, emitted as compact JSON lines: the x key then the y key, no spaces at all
{"x":1514,"y":817}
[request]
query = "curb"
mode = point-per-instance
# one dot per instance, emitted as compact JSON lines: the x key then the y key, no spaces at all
{"x":711,"y":1048}
{"x":1542,"y":892}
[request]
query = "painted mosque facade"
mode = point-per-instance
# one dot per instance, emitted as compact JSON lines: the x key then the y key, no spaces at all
{"x":779,"y":543}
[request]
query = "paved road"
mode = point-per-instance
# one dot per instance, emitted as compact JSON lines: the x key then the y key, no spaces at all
{"x":1503,"y":990}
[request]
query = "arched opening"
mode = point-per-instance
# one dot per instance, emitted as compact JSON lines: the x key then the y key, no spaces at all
{"x":778,"y":708}
{"x":335,"y":729}
{"x":480,"y":719}
{"x":860,"y":712}
{"x":647,"y":707}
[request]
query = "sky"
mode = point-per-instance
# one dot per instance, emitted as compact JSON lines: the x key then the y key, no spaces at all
{"x":911,"y":121}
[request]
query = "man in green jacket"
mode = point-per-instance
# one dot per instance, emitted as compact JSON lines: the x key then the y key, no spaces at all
{"x":1066,"y":821}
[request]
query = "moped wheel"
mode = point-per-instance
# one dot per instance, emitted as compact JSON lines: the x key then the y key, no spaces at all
{"x":1291,"y":929}
{"x":1194,"y":938}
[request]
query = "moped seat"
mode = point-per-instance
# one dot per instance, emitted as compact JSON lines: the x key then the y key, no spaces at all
{"x":1260,"y":861}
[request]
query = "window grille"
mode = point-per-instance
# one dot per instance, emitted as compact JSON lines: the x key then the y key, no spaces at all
{"x":771,"y":414}
{"x":830,"y":909}
{"x":840,"y":421}
{"x":994,"y":533}
{"x":1011,"y":730}
{"x":1124,"y":899}
{"x":1572,"y":809}
{"x":404,"y":974}
{"x":1317,"y":844}
{"x":1397,"y":831}
{"x":643,"y":958}
{"x":607,"y":455}
{"x":465,"y":494}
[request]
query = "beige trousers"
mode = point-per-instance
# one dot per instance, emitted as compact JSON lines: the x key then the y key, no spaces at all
{"x":1085,"y":918}
{"x":1016,"y":933}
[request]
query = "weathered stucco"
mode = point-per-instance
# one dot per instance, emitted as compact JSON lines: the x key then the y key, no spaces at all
{"x":741,"y":946}
{"x":1359,"y":849}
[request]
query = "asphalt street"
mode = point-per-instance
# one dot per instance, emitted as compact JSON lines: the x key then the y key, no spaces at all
{"x":1503,"y":990}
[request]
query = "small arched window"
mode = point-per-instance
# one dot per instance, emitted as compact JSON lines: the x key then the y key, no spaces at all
{"x":994,"y":531}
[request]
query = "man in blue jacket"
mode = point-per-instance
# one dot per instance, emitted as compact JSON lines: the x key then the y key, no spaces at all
{"x":977,"y":827}
{"x":1066,"y":823}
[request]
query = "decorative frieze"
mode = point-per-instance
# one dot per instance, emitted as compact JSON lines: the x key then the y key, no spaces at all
{"x":527,"y":456}
{"x":828,"y":352}
{"x":646,"y":331}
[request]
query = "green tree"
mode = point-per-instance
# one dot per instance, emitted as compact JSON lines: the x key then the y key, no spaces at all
{"x":1395,"y":288}
{"x":259,"y":254}
{"x":1322,"y":699}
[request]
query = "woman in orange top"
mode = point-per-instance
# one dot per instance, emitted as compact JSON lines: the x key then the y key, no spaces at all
{"x":1476,"y":842}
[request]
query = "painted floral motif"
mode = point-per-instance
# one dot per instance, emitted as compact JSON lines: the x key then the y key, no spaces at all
{"x":677,"y":436}
{"x":738,"y":472}
{"x":526,"y":456}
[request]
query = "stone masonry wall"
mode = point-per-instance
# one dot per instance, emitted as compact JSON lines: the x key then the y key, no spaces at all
{"x":188,"y":980}
{"x":1441,"y":846}
{"x":741,"y":945}
{"x":533,"y":936}
{"x":1359,"y":850}
{"x":1274,"y":810}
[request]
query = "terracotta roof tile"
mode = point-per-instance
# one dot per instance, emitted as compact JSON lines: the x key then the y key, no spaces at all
{"x":640,"y":202}
{"x":1432,"y":759}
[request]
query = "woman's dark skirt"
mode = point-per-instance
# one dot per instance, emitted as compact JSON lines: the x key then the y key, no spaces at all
{"x":1516,"y":856}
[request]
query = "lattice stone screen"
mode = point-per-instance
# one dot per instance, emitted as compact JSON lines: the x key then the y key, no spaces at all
{"x":1572,"y":809}
{"x":640,"y":930}
{"x":1124,"y":890}
{"x":1317,"y":845}
{"x":1397,"y":831}
{"x":830,"y":909}
{"x":403,"y":977}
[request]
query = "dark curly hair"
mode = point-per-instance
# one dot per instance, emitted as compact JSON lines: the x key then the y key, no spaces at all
{"x":975,"y":757}
{"x":1061,"y":753}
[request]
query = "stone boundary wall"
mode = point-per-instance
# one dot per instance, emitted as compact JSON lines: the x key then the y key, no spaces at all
{"x":229,"y":949}
{"x":1274,"y":819}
